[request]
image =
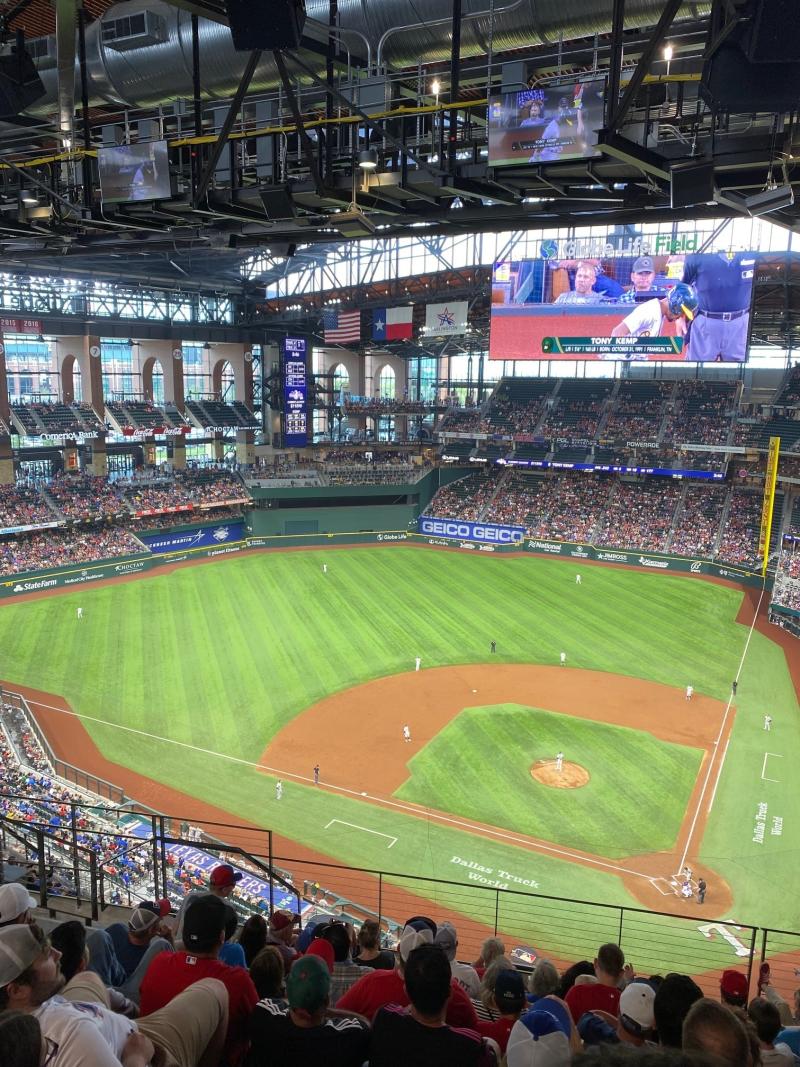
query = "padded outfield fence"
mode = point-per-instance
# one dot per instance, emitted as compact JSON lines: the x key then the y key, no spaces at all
{"x":129,"y":566}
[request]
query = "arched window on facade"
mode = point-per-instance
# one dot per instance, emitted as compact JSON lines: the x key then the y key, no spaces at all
{"x":387,"y":383}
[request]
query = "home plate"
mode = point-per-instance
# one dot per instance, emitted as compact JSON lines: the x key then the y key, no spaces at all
{"x":363,"y":794}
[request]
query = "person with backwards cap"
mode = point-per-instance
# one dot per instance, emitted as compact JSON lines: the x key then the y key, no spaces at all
{"x":543,"y":1037}
{"x":15,"y":904}
{"x":172,"y":972}
{"x":306,"y":1030}
{"x":121,"y":953}
{"x":187,"y":1033}
{"x":221,"y":884}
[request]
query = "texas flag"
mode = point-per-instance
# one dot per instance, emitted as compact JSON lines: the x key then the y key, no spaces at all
{"x":392,"y":324}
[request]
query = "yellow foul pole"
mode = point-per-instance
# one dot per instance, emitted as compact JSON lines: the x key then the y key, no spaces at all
{"x":769,"y":501}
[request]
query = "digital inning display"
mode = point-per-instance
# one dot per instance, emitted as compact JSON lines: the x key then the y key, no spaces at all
{"x":295,"y":392}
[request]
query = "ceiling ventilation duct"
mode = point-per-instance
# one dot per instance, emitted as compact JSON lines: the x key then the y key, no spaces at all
{"x":157,"y":68}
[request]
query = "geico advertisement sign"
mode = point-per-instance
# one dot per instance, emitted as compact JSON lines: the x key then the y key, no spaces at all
{"x":473,"y":531}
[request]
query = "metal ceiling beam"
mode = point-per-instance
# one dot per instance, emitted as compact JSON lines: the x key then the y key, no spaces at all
{"x":671,"y":8}
{"x":233,"y":111}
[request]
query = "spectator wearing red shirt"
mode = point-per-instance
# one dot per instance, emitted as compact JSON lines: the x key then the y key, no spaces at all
{"x":418,"y":1034}
{"x":380,"y":988}
{"x":602,"y":995}
{"x":172,"y":972}
{"x":509,"y":999}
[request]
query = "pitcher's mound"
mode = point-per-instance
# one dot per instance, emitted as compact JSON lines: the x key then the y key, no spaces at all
{"x":571,"y":775}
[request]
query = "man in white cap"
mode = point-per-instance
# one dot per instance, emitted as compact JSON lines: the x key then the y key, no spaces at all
{"x":466,"y":975}
{"x":15,"y":904}
{"x":190,"y":1027}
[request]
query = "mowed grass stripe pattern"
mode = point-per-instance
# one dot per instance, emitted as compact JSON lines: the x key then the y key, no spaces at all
{"x":479,"y":767}
{"x":223,"y":655}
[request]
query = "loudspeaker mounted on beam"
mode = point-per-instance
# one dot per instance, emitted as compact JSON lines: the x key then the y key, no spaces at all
{"x":270,"y":25}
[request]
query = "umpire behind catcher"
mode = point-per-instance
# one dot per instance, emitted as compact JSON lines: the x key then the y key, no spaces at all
{"x":724,"y":285}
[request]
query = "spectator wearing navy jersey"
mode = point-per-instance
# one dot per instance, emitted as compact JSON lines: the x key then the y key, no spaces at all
{"x":418,"y":1033}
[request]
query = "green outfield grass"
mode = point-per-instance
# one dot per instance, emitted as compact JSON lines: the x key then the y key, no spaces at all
{"x":220,"y":656}
{"x":479,"y":767}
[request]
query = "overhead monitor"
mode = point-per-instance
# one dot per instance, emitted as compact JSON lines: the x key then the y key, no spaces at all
{"x":687,"y":307}
{"x":134,"y":172}
{"x":547,"y":124}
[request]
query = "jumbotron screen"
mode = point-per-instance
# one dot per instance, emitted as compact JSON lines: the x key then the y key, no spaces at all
{"x":691,"y":307}
{"x":546,"y":124}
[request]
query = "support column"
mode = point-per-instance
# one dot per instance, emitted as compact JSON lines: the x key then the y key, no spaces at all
{"x":176,"y":450}
{"x":99,"y":465}
{"x":6,"y":461}
{"x":93,"y":381}
{"x":245,"y":447}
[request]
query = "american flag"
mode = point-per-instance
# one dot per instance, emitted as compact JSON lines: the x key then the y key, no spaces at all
{"x":341,"y":327}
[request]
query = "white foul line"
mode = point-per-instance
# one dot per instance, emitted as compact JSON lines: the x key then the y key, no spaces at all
{"x":777,"y":755}
{"x":366,"y":830}
{"x":473,"y":828}
{"x":690,"y":835}
{"x":719,"y":775}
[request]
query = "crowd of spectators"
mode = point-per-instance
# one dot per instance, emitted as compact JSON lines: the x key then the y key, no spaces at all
{"x":193,"y":990}
{"x":697,"y":528}
{"x":57,"y":548}
{"x":739,"y":541}
{"x":606,"y":511}
{"x":639,"y":515}
{"x":187,"y":488}
{"x":23,"y":505}
{"x":86,"y":496}
{"x":702,"y":413}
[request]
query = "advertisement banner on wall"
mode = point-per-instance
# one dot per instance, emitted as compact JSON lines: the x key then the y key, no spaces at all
{"x":205,"y":537}
{"x":480,"y":532}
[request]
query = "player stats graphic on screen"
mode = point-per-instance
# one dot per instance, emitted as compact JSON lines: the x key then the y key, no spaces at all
{"x":546,"y":124}
{"x":679,"y":307}
{"x":294,"y":351}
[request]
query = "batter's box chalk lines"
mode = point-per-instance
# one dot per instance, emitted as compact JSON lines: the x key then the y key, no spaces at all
{"x":366,"y":830}
{"x":659,"y":883}
{"x":775,"y":755}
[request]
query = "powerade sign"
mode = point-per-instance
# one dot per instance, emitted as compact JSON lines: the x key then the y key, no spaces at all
{"x":206,"y":537}
{"x":482,"y":532}
{"x":295,"y":392}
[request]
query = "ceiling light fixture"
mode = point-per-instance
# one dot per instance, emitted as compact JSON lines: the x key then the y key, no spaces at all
{"x":368,"y":159}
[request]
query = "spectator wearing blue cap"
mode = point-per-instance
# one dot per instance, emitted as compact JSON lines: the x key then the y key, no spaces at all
{"x":543,"y":1036}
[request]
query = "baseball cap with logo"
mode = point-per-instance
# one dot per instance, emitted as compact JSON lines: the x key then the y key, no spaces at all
{"x":636,"y":1011}
{"x":308,"y":984}
{"x":225,"y":875}
{"x":19,"y":948}
{"x":509,"y":991}
{"x":204,"y":920}
{"x":734,"y":984}
{"x":540,"y":1038}
{"x":15,"y":900}
{"x":643,"y":265}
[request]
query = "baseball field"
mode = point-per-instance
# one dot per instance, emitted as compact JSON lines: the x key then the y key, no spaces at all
{"x":219,"y":678}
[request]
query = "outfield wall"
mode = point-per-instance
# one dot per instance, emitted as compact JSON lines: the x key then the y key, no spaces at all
{"x":127,"y":566}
